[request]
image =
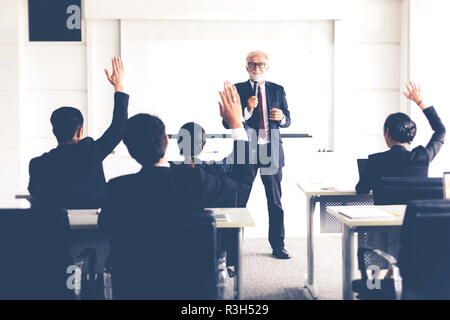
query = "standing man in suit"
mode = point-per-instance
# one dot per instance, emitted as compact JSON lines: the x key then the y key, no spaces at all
{"x":78,"y":159}
{"x":265,"y":111}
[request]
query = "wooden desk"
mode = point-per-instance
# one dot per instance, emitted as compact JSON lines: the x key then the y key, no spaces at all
{"x":317,"y":193}
{"x":350,"y":226}
{"x":238,"y":218}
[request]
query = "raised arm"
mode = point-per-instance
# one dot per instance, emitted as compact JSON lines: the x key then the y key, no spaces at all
{"x":216,"y":186}
{"x":437,"y":139}
{"x":112,"y":136}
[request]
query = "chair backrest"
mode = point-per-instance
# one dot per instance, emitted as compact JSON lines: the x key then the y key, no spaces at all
{"x":34,"y":253}
{"x":362,"y":165}
{"x":425,"y":250}
{"x":70,"y":196}
{"x":400,"y":190}
{"x":165,"y":258}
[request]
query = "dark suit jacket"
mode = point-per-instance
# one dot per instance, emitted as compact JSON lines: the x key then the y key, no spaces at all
{"x":176,"y":190}
{"x":399,"y":162}
{"x":221,"y":167}
{"x":80,"y":163}
{"x":276,"y":98}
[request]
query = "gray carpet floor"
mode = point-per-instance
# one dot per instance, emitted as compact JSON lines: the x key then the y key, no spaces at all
{"x":266,"y":278}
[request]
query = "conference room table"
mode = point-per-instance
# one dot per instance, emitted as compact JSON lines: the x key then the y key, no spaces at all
{"x":393,"y":220}
{"x":237,"y":219}
{"x":325,"y":193}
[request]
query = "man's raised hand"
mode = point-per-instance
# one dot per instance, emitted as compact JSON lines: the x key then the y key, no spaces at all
{"x":230,"y":107}
{"x":117,"y":76}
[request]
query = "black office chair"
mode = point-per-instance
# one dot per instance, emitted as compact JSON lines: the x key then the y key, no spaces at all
{"x":34,"y":253}
{"x":171,"y":257}
{"x":70,"y":196}
{"x":422,"y":271}
{"x":400,"y":190}
{"x":393,"y":191}
{"x":91,"y":247}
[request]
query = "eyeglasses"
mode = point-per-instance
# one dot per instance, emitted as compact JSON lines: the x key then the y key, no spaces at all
{"x":253,"y":65}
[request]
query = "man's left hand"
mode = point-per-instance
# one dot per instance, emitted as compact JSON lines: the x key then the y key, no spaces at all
{"x":276,"y":114}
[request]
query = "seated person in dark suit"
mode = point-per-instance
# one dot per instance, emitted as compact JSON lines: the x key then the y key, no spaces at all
{"x":399,"y":131}
{"x":191,"y":142}
{"x":78,"y":160}
{"x":159,"y":189}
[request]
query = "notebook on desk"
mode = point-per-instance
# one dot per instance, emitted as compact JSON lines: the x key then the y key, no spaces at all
{"x":366,"y":213}
{"x":362,"y":165}
{"x":221,"y":217}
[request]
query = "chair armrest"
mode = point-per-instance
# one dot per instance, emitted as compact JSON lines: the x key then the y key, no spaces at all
{"x":392,"y":264}
{"x":386,"y":256}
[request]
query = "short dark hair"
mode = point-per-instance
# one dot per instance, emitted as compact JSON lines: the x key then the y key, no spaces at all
{"x":401,"y":127}
{"x":65,"y":122}
{"x":191,"y":139}
{"x":145,"y":138}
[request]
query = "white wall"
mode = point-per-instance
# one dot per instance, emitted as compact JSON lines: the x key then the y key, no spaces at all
{"x":430,"y":67}
{"x":368,"y":75}
{"x":9,"y":101}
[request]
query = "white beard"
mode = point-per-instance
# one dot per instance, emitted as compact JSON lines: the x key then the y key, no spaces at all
{"x":256,"y":77}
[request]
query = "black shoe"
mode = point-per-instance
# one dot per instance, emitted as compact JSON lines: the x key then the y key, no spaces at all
{"x":280,"y":253}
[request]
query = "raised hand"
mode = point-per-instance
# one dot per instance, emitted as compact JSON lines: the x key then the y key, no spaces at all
{"x":117,"y":76}
{"x":413,"y":93}
{"x":276,"y":114}
{"x":230,"y":107}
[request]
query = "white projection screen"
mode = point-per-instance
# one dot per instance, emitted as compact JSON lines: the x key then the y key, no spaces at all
{"x":174,"y":69}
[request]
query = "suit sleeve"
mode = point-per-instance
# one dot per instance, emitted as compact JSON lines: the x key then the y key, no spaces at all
{"x":237,"y":180}
{"x":284,"y":108}
{"x":437,"y":139}
{"x":112,"y":136}
{"x":32,"y":183}
{"x":214,"y":187}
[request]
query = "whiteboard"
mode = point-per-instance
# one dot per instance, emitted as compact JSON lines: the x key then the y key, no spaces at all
{"x":174,"y":69}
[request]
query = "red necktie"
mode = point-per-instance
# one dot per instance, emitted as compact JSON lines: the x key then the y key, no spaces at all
{"x":260,"y":109}
{"x":261,"y":131}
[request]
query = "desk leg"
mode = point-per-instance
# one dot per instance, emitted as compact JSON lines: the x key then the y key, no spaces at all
{"x":347,"y":262}
{"x":310,"y":206}
{"x":238,"y":266}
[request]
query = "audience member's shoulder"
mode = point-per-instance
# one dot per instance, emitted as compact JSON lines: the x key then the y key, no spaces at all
{"x":378,"y":155}
{"x":419,"y":153}
{"x":122,"y":180}
{"x":42,"y":158}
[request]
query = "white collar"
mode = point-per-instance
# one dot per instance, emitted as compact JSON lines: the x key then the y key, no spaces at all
{"x":262,"y":85}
